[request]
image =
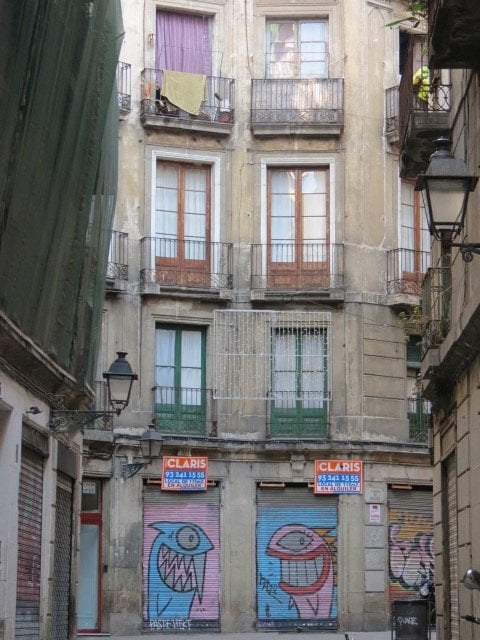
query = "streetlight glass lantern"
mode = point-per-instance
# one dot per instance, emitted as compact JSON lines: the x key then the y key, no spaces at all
{"x":119,"y":379}
{"x":446,"y":185}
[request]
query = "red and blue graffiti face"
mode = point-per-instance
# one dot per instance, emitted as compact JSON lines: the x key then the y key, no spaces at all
{"x":305,"y":559}
{"x":296,"y":563}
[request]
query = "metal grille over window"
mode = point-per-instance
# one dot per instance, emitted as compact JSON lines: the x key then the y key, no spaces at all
{"x":280,"y":356}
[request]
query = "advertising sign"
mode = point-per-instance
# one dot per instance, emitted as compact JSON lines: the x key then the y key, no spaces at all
{"x":338,"y":476}
{"x":184,"y":473}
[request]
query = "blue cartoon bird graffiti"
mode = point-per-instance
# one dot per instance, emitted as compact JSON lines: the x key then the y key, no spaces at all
{"x":176,"y":569}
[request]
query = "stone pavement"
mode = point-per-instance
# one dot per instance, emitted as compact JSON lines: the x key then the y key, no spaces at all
{"x":256,"y":635}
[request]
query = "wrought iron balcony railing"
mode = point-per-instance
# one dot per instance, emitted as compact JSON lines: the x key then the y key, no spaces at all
{"x":419,"y":412}
{"x":184,"y":410}
{"x":186,"y":263}
{"x":117,"y":265}
{"x":306,"y":102}
{"x":124,"y":87}
{"x":436,"y":306}
{"x":392,"y":112}
{"x":218,"y":105}
{"x":287,"y":266}
{"x":426,"y":103}
{"x":406,"y":269}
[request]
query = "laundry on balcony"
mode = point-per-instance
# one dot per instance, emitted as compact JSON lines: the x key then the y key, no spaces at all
{"x":184,"y":90}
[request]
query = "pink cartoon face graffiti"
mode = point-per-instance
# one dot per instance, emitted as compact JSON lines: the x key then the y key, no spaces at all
{"x":306,"y":569}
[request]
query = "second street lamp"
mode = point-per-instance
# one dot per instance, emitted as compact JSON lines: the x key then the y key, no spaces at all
{"x":446,"y":186}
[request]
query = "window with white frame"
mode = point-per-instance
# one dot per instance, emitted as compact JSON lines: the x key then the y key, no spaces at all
{"x":297,"y":48}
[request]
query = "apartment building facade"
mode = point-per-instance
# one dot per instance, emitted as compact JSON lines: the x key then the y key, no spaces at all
{"x":272,"y":248}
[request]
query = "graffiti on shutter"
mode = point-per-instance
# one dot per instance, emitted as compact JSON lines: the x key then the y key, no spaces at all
{"x":296,"y":559}
{"x":30,"y":504}
{"x":181,"y":560}
{"x":410,"y":540}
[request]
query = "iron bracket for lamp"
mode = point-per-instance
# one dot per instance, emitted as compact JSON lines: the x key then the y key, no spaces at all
{"x":466,"y":249}
{"x":130,"y":469}
{"x":69,"y":421}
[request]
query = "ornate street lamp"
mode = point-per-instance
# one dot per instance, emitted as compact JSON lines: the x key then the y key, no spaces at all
{"x":446,"y":186}
{"x":150,"y":444}
{"x":119,"y":379}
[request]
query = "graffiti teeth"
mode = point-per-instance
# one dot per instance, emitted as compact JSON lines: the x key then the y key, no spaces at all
{"x":301,"y":573}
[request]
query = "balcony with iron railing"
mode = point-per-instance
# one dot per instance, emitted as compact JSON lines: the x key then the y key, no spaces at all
{"x":392,"y":120}
{"x":303,"y":106}
{"x":309,"y":269}
{"x":424,"y":115}
{"x":419,"y":411}
{"x":124,"y":87}
{"x":184,"y":411}
{"x":216,"y":114}
{"x":186,"y":266}
{"x":406,"y":269}
{"x":436,"y":306}
{"x":454,"y":34}
{"x":117,"y":265}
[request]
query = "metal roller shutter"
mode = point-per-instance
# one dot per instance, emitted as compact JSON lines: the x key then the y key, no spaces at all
{"x":30,"y":505}
{"x":62,"y":559}
{"x":410,"y":540}
{"x":181,"y":559}
{"x":452,"y":541}
{"x":296,"y":559}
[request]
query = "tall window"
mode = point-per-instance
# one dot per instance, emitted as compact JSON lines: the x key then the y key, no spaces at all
{"x":299,"y":382}
{"x":296,"y":49}
{"x":183,"y":42}
{"x":298,"y":227}
{"x":180,"y":398}
{"x":182,"y":222}
{"x":415,"y":237}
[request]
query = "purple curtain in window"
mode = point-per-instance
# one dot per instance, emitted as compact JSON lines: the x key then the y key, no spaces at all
{"x":183,"y":43}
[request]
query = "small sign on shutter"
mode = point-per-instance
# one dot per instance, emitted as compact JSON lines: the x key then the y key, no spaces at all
{"x":338,"y":476}
{"x":184,"y":473}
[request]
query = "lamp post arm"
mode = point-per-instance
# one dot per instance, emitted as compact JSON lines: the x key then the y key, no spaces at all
{"x":467,"y":249}
{"x":68,"y":421}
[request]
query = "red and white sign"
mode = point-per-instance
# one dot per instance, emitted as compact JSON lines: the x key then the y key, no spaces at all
{"x":184,"y":473}
{"x":338,"y":476}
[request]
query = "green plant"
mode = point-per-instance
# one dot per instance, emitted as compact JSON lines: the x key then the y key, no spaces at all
{"x":413,"y":320}
{"x":417,"y":9}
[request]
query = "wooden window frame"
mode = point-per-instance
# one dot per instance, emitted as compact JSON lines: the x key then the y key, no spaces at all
{"x":298,"y":273}
{"x":179,"y":269}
